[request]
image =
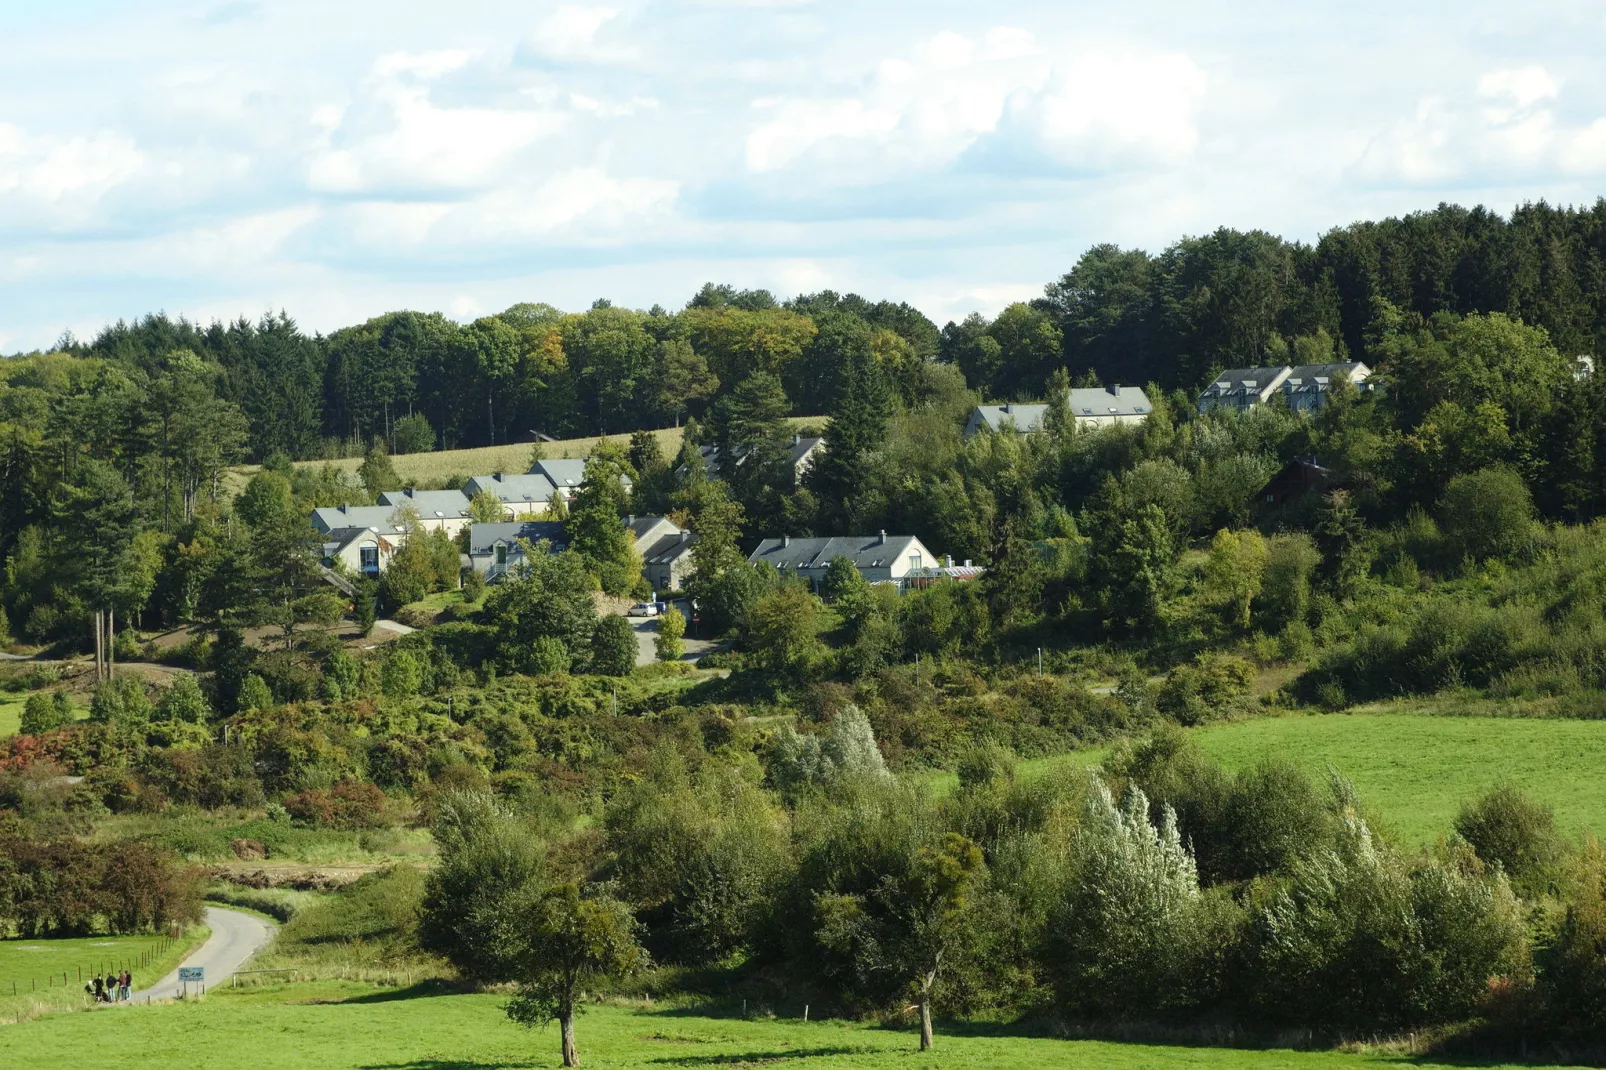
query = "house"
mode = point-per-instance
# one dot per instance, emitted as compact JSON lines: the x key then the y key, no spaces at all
{"x":1090,"y":407}
{"x":665,"y":550}
{"x":1307,"y":385}
{"x":1303,"y":387}
{"x":337,"y":517}
{"x":918,"y":579}
{"x":519,"y":494}
{"x":1242,"y":388}
{"x":445,"y":509}
{"x":878,"y":557}
{"x":567,"y":474}
{"x":666,"y":561}
{"x":1296,"y":479}
{"x":363,"y":551}
{"x":493,"y":549}
{"x":800,"y":455}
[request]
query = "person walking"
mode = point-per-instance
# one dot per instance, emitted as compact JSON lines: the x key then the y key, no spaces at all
{"x":128,"y":984}
{"x":100,"y":989}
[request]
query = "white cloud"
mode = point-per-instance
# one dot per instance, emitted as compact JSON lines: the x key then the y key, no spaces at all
{"x":1103,"y":107}
{"x":1109,"y":106}
{"x":63,"y":177}
{"x":570,"y":35}
{"x":1514,"y":133}
{"x":403,"y":139}
{"x":919,"y":111}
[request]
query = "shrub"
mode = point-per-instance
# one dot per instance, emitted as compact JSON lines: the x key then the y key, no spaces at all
{"x":346,"y":806}
{"x":667,"y":644}
{"x":45,"y":711}
{"x":1129,"y":935}
{"x":1508,"y":829}
{"x":1361,"y":938}
{"x":184,"y":702}
{"x":254,"y":694}
{"x":1206,"y":690}
{"x":1572,"y":970}
{"x":1487,"y":514}
{"x":846,"y":750}
{"x":613,"y":647}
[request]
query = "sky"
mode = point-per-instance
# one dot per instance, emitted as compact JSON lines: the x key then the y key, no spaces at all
{"x":338,"y":159}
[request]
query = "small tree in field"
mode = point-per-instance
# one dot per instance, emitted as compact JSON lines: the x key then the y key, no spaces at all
{"x":671,"y":627}
{"x":907,"y":925}
{"x":570,"y":940}
{"x":613,"y":647}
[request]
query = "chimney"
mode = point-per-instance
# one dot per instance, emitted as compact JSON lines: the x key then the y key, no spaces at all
{"x":786,"y":540}
{"x":1006,"y":406}
{"x":948,"y":560}
{"x":882,"y":540}
{"x":630,"y":520}
{"x":684,"y":535}
{"x":343,"y":508}
{"x":1115,"y":389}
{"x":797,"y":439}
{"x":497,"y":477}
{"x":967,"y":562}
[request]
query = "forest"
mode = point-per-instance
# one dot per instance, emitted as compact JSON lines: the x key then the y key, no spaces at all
{"x":769,"y":814}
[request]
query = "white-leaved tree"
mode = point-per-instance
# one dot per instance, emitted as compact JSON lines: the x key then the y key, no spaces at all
{"x":844,"y":751}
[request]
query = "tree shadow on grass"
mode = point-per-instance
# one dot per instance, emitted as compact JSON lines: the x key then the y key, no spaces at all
{"x":422,"y":990}
{"x":749,"y":1058}
{"x":446,"y":1064}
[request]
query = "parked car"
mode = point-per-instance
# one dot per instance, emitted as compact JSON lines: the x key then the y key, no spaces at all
{"x":644,"y":609}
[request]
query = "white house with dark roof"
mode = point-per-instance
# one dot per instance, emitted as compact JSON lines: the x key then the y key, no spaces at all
{"x":444,"y":509}
{"x":1304,"y":387}
{"x":334,"y":517}
{"x":879,"y":558}
{"x":801,"y":455}
{"x":363,"y":551}
{"x":519,"y":493}
{"x":495,"y":549}
{"x":567,"y":474}
{"x":1090,"y":407}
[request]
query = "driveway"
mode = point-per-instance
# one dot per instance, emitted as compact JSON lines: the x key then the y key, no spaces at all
{"x":236,"y":936}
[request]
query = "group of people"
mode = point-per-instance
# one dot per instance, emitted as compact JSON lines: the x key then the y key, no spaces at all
{"x":111,"y":988}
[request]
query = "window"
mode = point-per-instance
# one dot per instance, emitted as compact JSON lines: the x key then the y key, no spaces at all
{"x":914,"y":560}
{"x":501,"y":553}
{"x":370,"y":558}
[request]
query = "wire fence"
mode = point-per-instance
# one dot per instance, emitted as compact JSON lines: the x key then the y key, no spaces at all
{"x":76,"y":977}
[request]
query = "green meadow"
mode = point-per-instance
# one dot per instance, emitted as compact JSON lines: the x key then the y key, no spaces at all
{"x":1415,"y":770}
{"x":333,"y":1025}
{"x":52,"y":973}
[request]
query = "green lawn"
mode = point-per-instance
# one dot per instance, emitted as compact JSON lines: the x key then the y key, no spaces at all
{"x":11,"y":704}
{"x":345,"y":1025}
{"x":1416,"y":770}
{"x":32,"y":970}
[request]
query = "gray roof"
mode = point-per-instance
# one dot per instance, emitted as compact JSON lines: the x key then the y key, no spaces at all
{"x":566,"y":471}
{"x":513,"y":488}
{"x":668,"y":548}
{"x":1324,"y":374}
{"x":331,"y":517}
{"x":799,"y":448}
{"x":338,"y":539}
{"x":865,"y":551}
{"x":1261,"y":376}
{"x":429,"y":503}
{"x":642,"y":526}
{"x":1085,"y":403}
{"x":482,"y":538}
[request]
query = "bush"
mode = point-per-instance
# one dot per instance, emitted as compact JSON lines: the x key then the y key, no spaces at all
{"x":184,"y":702}
{"x":1362,"y":939}
{"x":1131,"y":934}
{"x":613,"y":647}
{"x":1572,"y":970}
{"x":1487,"y":514}
{"x":347,"y":806}
{"x":1510,"y":830}
{"x":1206,"y":690}
{"x":667,"y":644}
{"x":45,"y":711}
{"x":845,"y":751}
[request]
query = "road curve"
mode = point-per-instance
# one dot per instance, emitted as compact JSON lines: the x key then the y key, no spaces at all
{"x":236,"y":936}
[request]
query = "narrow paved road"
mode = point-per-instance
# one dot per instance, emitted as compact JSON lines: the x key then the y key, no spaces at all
{"x":236,"y":936}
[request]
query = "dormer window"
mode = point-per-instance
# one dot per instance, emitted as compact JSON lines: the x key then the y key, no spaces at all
{"x":501,"y":553}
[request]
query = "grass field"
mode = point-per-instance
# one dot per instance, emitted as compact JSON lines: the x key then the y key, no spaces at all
{"x":346,"y":1025}
{"x":433,"y":467}
{"x":11,"y":704}
{"x":1416,"y":770}
{"x":31,"y":970}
